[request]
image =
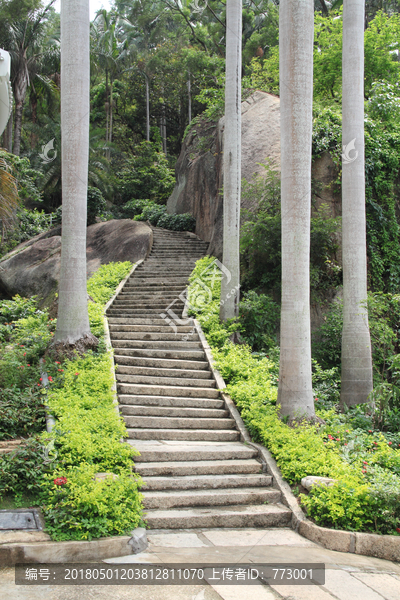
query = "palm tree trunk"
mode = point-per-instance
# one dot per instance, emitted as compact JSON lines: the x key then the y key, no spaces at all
{"x":232,"y":161}
{"x":189,"y":85}
{"x":356,"y":344}
{"x":20,"y":89}
{"x":7,"y":136}
{"x":147,"y":108}
{"x":296,"y":33}
{"x":73,"y":320}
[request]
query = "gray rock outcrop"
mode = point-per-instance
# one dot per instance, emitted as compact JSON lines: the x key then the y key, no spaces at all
{"x":33,"y":267}
{"x":199,"y":167}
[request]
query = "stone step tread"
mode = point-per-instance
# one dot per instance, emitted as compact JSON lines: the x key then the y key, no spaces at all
{"x":161,"y":363}
{"x":163,"y":372}
{"x":152,"y":336}
{"x":175,"y":381}
{"x":187,"y":435}
{"x":165,"y":401}
{"x":171,"y":411}
{"x":206,"y":482}
{"x":181,"y":329}
{"x":164,"y":390}
{"x":164,"y":422}
{"x":254,"y":515}
{"x":193,"y":468}
{"x":165,"y":345}
{"x":157,"y":353}
{"x":190,"y":451}
{"x":218,"y":497}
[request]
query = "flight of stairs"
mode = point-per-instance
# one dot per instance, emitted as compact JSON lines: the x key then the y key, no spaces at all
{"x":197,"y":472}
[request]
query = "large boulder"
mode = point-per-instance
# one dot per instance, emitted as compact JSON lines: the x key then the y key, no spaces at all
{"x":33,"y":267}
{"x":199,"y":169}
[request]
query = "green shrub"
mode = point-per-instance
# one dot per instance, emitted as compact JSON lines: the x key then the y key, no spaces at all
{"x":145,"y":175}
{"x":134,"y":207}
{"x":84,"y":508}
{"x":96,"y":205}
{"x":23,"y":469}
{"x":183,"y":222}
{"x":259,"y":320}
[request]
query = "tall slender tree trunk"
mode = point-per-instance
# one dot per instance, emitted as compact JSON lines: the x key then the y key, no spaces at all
{"x":147,"y":108}
{"x":232,"y":161}
{"x":73,"y":320}
{"x":107,"y":107}
{"x":7,"y":136}
{"x":356,"y":344}
{"x":189,"y":86}
{"x":296,"y":34}
{"x":19,"y":88}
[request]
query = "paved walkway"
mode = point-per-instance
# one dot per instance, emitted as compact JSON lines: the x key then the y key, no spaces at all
{"x":348,"y":576}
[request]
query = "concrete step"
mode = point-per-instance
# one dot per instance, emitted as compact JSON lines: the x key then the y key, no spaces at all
{"x":160,"y":353}
{"x":173,"y":450}
{"x":164,"y":390}
{"x":271,"y":515}
{"x":151,"y":321}
{"x":171,"y":401}
{"x":151,"y":372}
{"x":193,"y":468}
{"x":121,"y":339}
{"x":148,"y":336}
{"x":208,"y":482}
{"x":169,"y":381}
{"x":210,"y":497}
{"x":189,"y":435}
{"x":160,"y":363}
{"x":181,"y":329}
{"x":180,"y":422}
{"x":171,"y":411}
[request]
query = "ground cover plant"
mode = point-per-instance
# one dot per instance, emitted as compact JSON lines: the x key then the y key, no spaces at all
{"x":364,"y":461}
{"x":58,"y":469}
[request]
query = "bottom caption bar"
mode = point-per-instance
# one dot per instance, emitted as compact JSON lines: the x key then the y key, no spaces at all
{"x":170,"y":574}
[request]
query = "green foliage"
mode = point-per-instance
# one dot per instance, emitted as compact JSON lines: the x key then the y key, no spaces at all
{"x":87,"y":440}
{"x":259,"y":320}
{"x":158,"y":216}
{"x":85,"y":508}
{"x":96,"y":205}
{"x":22,"y":410}
{"x":101,"y":287}
{"x":260,"y":241}
{"x":145,"y":175}
{"x":22,"y":470}
{"x":27,"y":178}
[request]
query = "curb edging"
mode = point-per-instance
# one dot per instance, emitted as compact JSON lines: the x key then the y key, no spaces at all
{"x":367,"y":544}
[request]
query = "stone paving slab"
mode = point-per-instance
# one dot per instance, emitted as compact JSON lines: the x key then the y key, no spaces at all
{"x":348,"y":576}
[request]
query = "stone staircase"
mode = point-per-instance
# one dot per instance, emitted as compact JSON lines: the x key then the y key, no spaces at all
{"x":196,"y":471}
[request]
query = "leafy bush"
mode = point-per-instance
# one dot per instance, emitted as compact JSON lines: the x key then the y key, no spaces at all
{"x":145,"y":175}
{"x":96,"y":204}
{"x":101,"y":287}
{"x":158,"y":216}
{"x":260,"y":241}
{"x":87,"y":440}
{"x":183,"y":222}
{"x":83,"y":507}
{"x":134,"y":207}
{"x":259,"y":320}
{"x":22,"y":411}
{"x":23,"y":469}
{"x":365,"y":465}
